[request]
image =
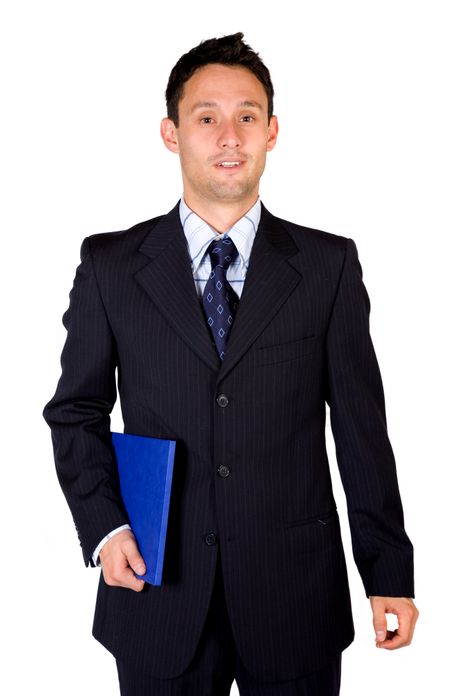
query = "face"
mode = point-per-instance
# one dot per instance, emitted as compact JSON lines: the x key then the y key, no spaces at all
{"x":223,"y":134}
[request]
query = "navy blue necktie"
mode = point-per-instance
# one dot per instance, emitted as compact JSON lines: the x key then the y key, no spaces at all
{"x":219,"y":299}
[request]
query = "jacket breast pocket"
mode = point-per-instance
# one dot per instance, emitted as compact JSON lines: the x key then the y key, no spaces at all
{"x":293,"y":350}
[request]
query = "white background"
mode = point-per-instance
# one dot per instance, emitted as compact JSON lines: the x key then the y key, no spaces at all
{"x":362,"y":98}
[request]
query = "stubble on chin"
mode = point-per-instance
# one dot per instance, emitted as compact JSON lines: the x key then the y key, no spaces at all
{"x":209,"y":186}
{"x":233,"y":190}
{"x":229,"y":192}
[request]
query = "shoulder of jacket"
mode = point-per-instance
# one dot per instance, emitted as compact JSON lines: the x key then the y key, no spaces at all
{"x":318,"y":248}
{"x":121,"y":240}
{"x":302,"y":234}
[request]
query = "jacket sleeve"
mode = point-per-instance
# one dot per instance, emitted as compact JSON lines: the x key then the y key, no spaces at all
{"x":79,"y":413}
{"x":382,"y":550}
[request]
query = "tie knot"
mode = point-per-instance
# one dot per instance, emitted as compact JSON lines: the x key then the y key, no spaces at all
{"x":222,"y":252}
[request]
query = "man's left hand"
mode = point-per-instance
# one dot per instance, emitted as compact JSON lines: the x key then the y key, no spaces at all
{"x":407,"y":614}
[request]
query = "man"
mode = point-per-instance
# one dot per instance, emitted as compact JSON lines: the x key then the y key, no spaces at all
{"x":230,"y":329}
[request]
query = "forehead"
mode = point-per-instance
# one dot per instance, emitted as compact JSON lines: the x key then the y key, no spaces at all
{"x":221,"y":84}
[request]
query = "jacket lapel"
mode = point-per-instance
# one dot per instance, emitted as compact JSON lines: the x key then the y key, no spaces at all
{"x":168,"y":280}
{"x":273,"y":273}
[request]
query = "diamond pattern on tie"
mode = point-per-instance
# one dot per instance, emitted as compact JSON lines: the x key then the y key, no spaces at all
{"x":220,"y":301}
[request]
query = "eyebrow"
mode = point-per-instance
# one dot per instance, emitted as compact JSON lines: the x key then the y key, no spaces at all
{"x":211,"y":105}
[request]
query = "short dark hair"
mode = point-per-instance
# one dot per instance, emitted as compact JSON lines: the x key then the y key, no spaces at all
{"x":228,"y":50}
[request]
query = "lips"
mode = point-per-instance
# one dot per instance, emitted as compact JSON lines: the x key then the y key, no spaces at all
{"x":229,"y":164}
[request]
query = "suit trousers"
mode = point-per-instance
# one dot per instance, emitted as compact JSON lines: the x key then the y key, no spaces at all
{"x":216,"y":664}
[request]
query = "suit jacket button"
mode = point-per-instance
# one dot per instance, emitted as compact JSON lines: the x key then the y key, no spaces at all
{"x":223,"y":470}
{"x":222,"y":400}
{"x":211,"y":539}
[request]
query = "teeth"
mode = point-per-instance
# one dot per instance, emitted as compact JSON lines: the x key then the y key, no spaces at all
{"x":229,"y":164}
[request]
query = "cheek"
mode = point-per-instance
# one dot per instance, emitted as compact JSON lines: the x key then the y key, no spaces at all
{"x":194,"y":150}
{"x":259,"y":146}
{"x":260,"y":156}
{"x":189,"y":156}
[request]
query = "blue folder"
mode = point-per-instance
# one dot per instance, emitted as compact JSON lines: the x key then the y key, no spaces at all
{"x":145,"y":466}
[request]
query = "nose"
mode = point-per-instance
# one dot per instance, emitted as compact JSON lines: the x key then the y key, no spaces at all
{"x":229,"y":137}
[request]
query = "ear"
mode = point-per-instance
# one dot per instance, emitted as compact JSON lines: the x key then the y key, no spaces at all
{"x":169,"y":134}
{"x":272,"y":133}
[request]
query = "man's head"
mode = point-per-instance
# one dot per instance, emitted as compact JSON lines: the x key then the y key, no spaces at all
{"x":228,"y":50}
{"x":220,"y":122}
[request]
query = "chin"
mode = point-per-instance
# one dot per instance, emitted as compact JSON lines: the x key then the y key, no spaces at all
{"x":227,"y":193}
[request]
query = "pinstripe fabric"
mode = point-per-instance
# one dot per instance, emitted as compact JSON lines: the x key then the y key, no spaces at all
{"x":216,"y":664}
{"x":300,"y":338}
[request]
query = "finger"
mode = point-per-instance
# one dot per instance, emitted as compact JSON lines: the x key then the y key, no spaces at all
{"x":402,"y":635}
{"x":393,"y":641}
{"x":118,"y":573}
{"x":379,"y":621}
{"x":133,"y":557}
{"x":407,"y":618}
{"x":130,"y":581}
{"x":124,"y":577}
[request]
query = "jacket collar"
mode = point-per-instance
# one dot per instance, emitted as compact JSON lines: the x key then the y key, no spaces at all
{"x":273,"y":273}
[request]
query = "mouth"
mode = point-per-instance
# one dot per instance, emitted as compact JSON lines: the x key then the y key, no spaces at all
{"x":229,"y":164}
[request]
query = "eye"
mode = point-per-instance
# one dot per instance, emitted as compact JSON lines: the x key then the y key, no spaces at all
{"x":206,"y":119}
{"x":248,"y":118}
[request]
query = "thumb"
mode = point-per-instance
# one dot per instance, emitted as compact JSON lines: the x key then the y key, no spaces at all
{"x":379,"y":621}
{"x":134,"y":558}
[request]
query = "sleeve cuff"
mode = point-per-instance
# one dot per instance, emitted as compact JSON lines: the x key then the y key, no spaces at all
{"x":95,"y":555}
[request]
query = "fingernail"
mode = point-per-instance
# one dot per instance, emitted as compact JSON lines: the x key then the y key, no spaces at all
{"x":140,"y":569}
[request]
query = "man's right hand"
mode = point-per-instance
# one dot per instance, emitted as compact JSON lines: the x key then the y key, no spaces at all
{"x":119,"y":558}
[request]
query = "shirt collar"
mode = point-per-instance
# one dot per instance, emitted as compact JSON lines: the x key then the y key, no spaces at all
{"x":199,"y":234}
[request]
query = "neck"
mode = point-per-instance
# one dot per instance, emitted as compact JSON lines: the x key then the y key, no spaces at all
{"x":220,"y":216}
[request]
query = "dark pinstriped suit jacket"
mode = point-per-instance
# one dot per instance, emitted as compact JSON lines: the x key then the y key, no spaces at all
{"x":300,"y":339}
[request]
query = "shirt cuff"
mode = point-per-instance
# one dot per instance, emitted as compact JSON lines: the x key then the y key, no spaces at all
{"x":95,"y":555}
